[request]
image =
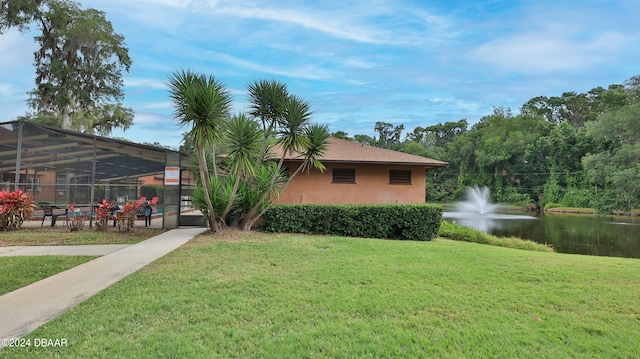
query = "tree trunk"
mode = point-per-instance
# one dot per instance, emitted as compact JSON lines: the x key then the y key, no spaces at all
{"x":247,"y":222}
{"x":254,"y":212}
{"x":66,"y":119}
{"x":237,"y":218}
{"x":206,"y":186}
{"x":227,"y":209}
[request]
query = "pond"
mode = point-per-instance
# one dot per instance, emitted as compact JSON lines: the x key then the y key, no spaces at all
{"x":612,"y":236}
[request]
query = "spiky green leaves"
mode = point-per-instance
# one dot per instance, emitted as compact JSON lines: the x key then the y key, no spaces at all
{"x":202,"y":102}
{"x":316,"y":136}
{"x":243,"y":140}
{"x":266,"y":102}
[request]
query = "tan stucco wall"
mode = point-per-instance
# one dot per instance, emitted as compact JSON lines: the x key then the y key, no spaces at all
{"x":158,"y":179}
{"x":47,"y":190}
{"x":372,"y":186}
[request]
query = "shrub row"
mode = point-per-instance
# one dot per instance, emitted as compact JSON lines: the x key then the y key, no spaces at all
{"x":392,"y":221}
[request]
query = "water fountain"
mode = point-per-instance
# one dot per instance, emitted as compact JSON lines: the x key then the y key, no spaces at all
{"x":583,"y":234}
{"x":476,"y":211}
{"x":478,"y":200}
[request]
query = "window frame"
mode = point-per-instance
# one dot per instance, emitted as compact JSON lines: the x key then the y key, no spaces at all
{"x":348,"y":176}
{"x":33,"y":183}
{"x":401,"y":177}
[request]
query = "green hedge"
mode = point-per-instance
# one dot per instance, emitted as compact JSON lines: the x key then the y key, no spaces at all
{"x":392,"y":221}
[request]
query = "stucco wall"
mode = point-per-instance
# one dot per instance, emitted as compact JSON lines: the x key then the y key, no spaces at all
{"x":158,"y":179}
{"x":372,"y":186}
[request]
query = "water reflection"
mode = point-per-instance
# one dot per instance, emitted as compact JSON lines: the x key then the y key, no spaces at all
{"x":483,"y":222}
{"x":567,"y":233}
{"x":581,"y":234}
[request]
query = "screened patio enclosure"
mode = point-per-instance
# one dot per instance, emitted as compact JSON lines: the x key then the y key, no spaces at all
{"x":62,"y":167}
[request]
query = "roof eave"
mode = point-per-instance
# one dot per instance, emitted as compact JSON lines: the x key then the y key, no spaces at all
{"x":426,"y":165}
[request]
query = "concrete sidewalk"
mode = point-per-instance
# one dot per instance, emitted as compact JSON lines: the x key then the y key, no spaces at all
{"x":27,"y":308}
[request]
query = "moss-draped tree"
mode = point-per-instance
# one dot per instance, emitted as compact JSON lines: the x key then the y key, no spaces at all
{"x":78,"y":65}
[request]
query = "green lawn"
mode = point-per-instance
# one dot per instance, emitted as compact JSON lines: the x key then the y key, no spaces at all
{"x":20,"y":271}
{"x":17,"y":272}
{"x":254,"y":295}
{"x":62,"y":236}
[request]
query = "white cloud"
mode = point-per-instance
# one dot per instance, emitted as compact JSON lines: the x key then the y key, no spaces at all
{"x":145,"y":82}
{"x":316,"y":20}
{"x":548,"y":51}
{"x":556,"y":37}
{"x":157,"y":105}
{"x":359,"y":63}
{"x":17,"y":49}
{"x":152,"y":127}
{"x":453,"y":104}
{"x":354,"y":21}
{"x":307,"y":71}
{"x":10,"y":92}
{"x":17,"y":73}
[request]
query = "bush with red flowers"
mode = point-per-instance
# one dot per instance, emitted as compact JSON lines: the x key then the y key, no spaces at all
{"x":126,"y":217}
{"x":15,"y":208}
{"x":104,"y":213}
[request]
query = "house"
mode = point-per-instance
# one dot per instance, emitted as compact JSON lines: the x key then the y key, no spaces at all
{"x":359,"y":174}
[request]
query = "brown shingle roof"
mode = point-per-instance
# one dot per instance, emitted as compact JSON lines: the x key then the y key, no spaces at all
{"x":345,"y":151}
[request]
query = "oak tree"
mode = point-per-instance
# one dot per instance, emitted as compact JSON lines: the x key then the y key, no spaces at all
{"x":78,"y":65}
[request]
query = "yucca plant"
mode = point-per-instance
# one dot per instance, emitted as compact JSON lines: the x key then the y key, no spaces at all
{"x":203,"y":103}
{"x":222,"y":193}
{"x":237,"y":173}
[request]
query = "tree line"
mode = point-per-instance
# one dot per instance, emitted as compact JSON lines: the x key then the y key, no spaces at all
{"x":574,"y":150}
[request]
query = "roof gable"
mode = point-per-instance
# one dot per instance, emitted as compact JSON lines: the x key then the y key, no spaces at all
{"x":345,"y":151}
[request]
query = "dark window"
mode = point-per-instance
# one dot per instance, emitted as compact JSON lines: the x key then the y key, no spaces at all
{"x":344,"y":175}
{"x":400,"y":177}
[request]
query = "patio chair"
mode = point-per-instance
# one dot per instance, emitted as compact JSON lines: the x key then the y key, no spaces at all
{"x":48,"y":212}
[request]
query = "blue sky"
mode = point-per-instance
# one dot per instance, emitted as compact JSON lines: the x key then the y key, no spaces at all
{"x":415,"y":63}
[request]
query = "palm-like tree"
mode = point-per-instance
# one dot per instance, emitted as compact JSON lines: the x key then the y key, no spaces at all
{"x":294,"y":134}
{"x":203,"y":103}
{"x":267,"y":99}
{"x":243,"y":141}
{"x":316,"y":136}
{"x":249,"y":178}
